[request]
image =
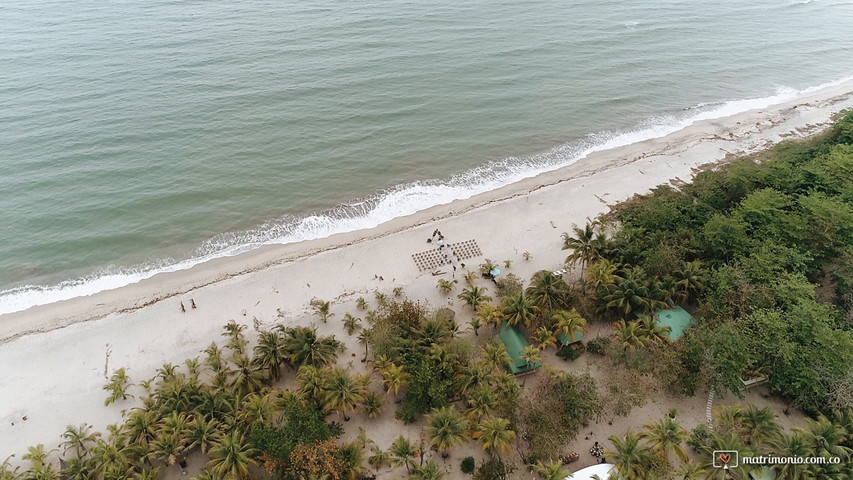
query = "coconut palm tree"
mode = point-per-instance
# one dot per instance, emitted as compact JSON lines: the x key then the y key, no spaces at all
{"x":825,"y":438}
{"x":476,"y":375}
{"x":548,"y":291}
{"x":351,"y":455}
{"x":119,"y":383}
{"x":490,"y":315}
{"x":446,"y":286}
{"x":256,"y":410}
{"x":631,"y":293}
{"x":469,"y":278}
{"x":429,"y":471}
{"x":530,"y":355}
{"x":446,"y":429}
{"x":630,"y":335}
{"x":496,"y":356}
{"x":544,"y":338}
{"x":312,"y":383}
{"x":231,"y":458}
{"x":7,"y":472}
{"x":569,"y":323}
{"x":304,"y":347}
{"x":582,"y":245}
{"x":142,"y":426}
{"x":664,"y":437}
{"x":474,"y":296}
{"x":379,"y":458}
{"x":476,"y":324}
{"x":629,"y":456}
{"x":79,"y":438}
{"x":364,"y":338}
{"x":690,"y":281}
{"x":343,"y":392}
{"x":653,"y":332}
{"x":234,"y":333}
{"x":403,"y":453}
{"x":247,"y":378}
{"x":481,"y":402}
{"x":495,"y":435}
{"x":601,"y":274}
{"x":394,"y":377}
{"x":168,"y":448}
{"x":758,"y":425}
{"x":37,"y":456}
{"x":351,"y":324}
{"x":551,"y":470}
{"x":518,"y":310}
{"x":321,"y":308}
{"x":794,"y":445}
{"x":373,"y":404}
{"x":269,"y":354}
{"x":203,"y":433}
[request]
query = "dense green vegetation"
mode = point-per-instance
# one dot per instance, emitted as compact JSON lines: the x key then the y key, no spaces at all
{"x":759,"y":250}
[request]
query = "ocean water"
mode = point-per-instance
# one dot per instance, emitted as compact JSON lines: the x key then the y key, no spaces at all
{"x":145,"y":136}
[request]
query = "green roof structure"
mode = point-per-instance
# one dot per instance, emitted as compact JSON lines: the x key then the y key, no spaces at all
{"x":514,"y":342}
{"x":565,"y":340}
{"x":677,"y":319}
{"x":765,"y":474}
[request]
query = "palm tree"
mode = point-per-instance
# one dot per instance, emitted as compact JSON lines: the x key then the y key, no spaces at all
{"x":495,"y":435}
{"x":469,"y":278}
{"x":321,"y":308}
{"x":79,"y":438}
{"x":248,"y":377}
{"x":379,"y":458}
{"x":487,"y":266}
{"x":518,"y":310}
{"x":548,"y":291}
{"x":794,"y":445}
{"x":234,"y":333}
{"x":653,"y":332}
{"x":403,"y":452}
{"x":474,"y":296}
{"x":361,"y":303}
{"x":37,"y":457}
{"x":142,"y":426}
{"x":582,"y":245}
{"x":343,"y":392}
{"x":631,"y":293}
{"x":490,"y":315}
{"x":352,"y":456}
{"x":569,"y":323}
{"x":256,"y":410}
{"x":169,"y":448}
{"x":496,"y":356}
{"x":364,"y":338}
{"x":231,"y":458}
{"x":312,"y":383}
{"x":630,"y":458}
{"x":825,"y":438}
{"x":394,"y":377}
{"x":446,"y":429}
{"x":481,"y":402}
{"x":304,"y":347}
{"x":373,"y":404}
{"x":7,"y":472}
{"x":269,"y":354}
{"x":351,"y":323}
{"x":630,"y":335}
{"x":551,"y":470}
{"x":530,"y":355}
{"x":475,"y":325}
{"x":430,"y":471}
{"x":759,"y":424}
{"x":601,"y":274}
{"x":446,"y":286}
{"x":690,"y":281}
{"x":203,"y":433}
{"x":664,"y":437}
{"x":119,"y":383}
{"x":544,"y":338}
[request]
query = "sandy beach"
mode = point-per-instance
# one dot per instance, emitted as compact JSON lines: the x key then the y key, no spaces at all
{"x":55,"y":359}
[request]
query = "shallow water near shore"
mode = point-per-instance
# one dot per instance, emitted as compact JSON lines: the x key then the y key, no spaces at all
{"x":147,"y":136}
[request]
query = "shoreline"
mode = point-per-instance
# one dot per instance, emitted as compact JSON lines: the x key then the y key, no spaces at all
{"x":162,"y":286}
{"x":56,"y":357}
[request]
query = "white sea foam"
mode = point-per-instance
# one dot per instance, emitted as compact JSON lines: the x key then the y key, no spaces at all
{"x":396,"y":202}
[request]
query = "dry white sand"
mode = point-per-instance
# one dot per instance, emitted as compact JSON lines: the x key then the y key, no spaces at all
{"x":55,"y":359}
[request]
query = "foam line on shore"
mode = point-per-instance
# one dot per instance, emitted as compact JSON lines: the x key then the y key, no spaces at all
{"x":396,"y":202}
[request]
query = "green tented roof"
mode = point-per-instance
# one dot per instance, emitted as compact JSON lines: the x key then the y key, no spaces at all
{"x":514,"y":342}
{"x":565,"y":340}
{"x":677,"y":319}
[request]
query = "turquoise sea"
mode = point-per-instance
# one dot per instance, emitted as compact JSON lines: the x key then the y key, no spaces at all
{"x":143,"y":136}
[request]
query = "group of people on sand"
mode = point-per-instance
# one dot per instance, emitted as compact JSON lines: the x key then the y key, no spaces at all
{"x":448,"y":256}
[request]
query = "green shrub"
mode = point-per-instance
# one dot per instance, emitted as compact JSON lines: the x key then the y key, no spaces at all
{"x":468,"y":465}
{"x":598,"y":346}
{"x":568,"y":353}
